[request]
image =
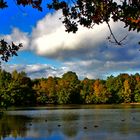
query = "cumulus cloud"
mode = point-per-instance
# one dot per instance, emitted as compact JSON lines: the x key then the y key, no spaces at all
{"x":17,"y":37}
{"x":51,"y":40}
{"x":92,"y":69}
{"x":36,"y":70}
{"x":101,"y":69}
{"x":87,"y":52}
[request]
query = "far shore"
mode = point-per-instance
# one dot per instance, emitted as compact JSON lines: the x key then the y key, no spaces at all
{"x":132,"y":103}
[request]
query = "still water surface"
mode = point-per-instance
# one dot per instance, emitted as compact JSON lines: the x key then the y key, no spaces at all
{"x":85,"y":122}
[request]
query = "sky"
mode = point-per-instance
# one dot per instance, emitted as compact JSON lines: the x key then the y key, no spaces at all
{"x":50,"y":51}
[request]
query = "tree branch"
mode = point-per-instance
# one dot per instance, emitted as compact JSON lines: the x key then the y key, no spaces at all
{"x":116,"y":41}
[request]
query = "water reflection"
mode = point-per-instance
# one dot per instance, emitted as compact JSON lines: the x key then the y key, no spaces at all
{"x":14,"y":126}
{"x":90,"y":123}
{"x":71,"y":124}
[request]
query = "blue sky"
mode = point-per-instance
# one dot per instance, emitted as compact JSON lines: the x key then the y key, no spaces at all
{"x":50,"y":51}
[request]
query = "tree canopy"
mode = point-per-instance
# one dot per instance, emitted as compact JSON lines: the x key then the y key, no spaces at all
{"x":17,"y":89}
{"x":91,"y":12}
{"x":83,"y":12}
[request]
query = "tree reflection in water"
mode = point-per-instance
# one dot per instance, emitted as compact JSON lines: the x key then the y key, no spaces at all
{"x":20,"y":126}
{"x":14,"y":126}
{"x":95,"y":122}
{"x":72,"y":128}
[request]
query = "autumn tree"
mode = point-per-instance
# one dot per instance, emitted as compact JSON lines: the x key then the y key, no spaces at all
{"x":101,"y":94}
{"x":51,"y":85}
{"x":17,"y":89}
{"x":126,"y":93}
{"x":86,"y":90}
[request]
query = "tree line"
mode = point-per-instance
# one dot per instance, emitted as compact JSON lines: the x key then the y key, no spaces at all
{"x":17,"y":89}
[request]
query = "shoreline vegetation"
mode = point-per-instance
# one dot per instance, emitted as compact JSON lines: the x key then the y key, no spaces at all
{"x":132,"y":103}
{"x":17,"y":89}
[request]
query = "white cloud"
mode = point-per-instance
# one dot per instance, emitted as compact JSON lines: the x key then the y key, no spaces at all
{"x":17,"y":37}
{"x":36,"y":70}
{"x":84,"y":68}
{"x":49,"y":37}
{"x":87,"y":52}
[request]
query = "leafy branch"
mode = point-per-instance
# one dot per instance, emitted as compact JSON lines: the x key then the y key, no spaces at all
{"x":7,"y":51}
{"x":92,"y":12}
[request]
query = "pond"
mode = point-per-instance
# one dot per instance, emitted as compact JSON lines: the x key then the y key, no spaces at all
{"x":74,"y":122}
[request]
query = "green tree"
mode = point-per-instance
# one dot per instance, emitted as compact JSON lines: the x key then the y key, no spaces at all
{"x":137,"y":88}
{"x":86,"y":91}
{"x":5,"y":79}
{"x":125,"y":85}
{"x":68,"y":89}
{"x":119,"y":86}
{"x":17,"y":89}
{"x":20,"y":90}
{"x":137,"y":93}
{"x":41,"y":91}
{"x":113,"y":86}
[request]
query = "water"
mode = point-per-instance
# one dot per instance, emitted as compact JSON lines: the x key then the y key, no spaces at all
{"x":86,"y":122}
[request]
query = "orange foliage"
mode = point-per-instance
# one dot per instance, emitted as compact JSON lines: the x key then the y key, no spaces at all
{"x":137,"y":21}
